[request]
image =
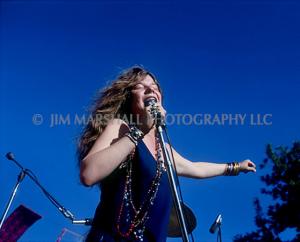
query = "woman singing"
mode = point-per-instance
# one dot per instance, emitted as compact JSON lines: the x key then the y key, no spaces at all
{"x":120,"y":151}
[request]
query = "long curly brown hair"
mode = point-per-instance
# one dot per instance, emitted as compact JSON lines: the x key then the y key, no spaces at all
{"x":114,"y":101}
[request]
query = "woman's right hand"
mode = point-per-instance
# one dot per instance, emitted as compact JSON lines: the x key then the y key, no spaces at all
{"x":146,"y":121}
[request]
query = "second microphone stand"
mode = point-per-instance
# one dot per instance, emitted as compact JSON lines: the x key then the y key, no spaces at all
{"x":26,"y":172}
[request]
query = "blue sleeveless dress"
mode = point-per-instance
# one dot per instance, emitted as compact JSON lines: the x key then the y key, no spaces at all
{"x":104,"y":227}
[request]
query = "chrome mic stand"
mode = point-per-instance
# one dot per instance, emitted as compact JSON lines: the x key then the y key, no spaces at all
{"x":160,"y":125}
{"x":65,"y":212}
{"x":217,"y":225}
{"x":21,"y":176}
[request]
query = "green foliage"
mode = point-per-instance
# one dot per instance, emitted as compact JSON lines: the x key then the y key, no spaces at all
{"x":283,"y":185}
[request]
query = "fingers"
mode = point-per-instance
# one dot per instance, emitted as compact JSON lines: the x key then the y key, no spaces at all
{"x":250,"y":169}
{"x":147,"y":120}
{"x":163,"y":111}
{"x":251,"y":164}
{"x":160,"y":110}
{"x":248,"y":165}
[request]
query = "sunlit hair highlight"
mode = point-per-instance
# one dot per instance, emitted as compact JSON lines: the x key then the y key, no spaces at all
{"x":112,"y":101}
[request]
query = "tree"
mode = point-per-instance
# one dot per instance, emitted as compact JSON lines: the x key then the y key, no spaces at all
{"x":283,"y":185}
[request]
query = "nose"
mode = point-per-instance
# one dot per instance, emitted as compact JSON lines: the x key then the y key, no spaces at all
{"x":149,"y":89}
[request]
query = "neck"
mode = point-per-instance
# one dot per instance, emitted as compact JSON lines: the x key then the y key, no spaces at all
{"x":150,"y":135}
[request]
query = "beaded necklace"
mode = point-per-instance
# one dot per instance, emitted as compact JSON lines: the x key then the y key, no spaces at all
{"x":136,"y":218}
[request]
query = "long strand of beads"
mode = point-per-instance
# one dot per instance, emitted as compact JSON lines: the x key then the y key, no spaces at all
{"x":137,"y":225}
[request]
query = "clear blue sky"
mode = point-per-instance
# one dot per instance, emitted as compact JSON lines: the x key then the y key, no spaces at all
{"x":211,"y":57}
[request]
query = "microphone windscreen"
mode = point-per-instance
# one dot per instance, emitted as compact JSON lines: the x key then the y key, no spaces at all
{"x":215,"y":225}
{"x":10,"y":156}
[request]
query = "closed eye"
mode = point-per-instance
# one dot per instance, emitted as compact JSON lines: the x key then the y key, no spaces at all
{"x":138,"y":86}
{"x":155,"y":87}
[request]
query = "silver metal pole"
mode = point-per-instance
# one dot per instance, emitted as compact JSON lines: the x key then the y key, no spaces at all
{"x":172,"y":183}
{"x":12,"y":196}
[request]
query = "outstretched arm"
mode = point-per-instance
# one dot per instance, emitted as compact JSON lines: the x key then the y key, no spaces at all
{"x":191,"y":169}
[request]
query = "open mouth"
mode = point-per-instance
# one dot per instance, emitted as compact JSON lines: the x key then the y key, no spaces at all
{"x":150,"y":100}
{"x":151,"y":97}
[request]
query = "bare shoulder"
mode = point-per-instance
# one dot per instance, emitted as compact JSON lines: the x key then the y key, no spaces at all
{"x":116,"y":124}
{"x":114,"y":130}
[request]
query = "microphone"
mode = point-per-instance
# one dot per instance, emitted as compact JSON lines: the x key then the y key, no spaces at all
{"x":216,"y":224}
{"x":154,"y":111}
{"x":10,"y":156}
{"x":85,"y":221}
{"x":150,"y":102}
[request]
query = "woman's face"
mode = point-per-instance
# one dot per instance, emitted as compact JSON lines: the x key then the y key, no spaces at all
{"x":143,"y":90}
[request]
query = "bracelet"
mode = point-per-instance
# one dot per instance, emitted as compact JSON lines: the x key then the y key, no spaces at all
{"x":232,"y":169}
{"x":228,"y":169}
{"x":236,"y":169}
{"x":134,"y":134}
{"x":130,"y":157}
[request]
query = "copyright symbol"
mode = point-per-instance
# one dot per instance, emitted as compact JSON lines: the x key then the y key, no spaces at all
{"x":37,"y":119}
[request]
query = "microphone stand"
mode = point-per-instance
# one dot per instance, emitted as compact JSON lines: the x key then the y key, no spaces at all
{"x":20,"y":178}
{"x":170,"y":170}
{"x":26,"y":172}
{"x":219,"y":234}
{"x":217,"y":225}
